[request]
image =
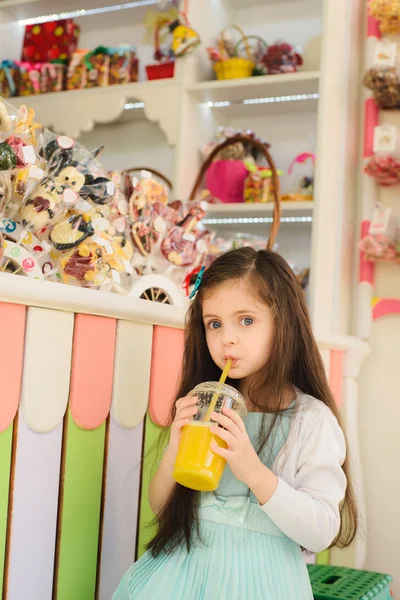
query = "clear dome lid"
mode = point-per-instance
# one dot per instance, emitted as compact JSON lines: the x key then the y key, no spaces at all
{"x":229,"y":397}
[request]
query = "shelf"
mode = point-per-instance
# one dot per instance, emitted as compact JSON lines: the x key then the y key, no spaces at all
{"x":243,"y":214}
{"x":47,"y":294}
{"x":76,"y":111}
{"x":246,"y":4}
{"x":237,"y":91}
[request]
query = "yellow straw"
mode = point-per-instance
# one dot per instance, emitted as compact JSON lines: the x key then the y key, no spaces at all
{"x":215,"y":397}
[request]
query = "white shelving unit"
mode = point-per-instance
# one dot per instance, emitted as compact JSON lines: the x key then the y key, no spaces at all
{"x":179,"y":116}
{"x":173,"y":118}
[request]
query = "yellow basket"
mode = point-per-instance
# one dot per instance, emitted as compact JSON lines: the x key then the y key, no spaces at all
{"x":235,"y":67}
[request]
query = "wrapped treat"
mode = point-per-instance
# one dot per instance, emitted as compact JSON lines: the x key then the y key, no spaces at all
{"x":24,"y":125}
{"x":6,"y":118}
{"x":90,"y":254}
{"x":384,"y":169}
{"x":385,"y":85}
{"x":53,"y":40}
{"x":387,"y":12}
{"x":77,"y":71}
{"x":185,"y":245}
{"x":301,"y":179}
{"x":258,"y":183}
{"x":9,"y":79}
{"x":48,"y":203}
{"x":146,"y":191}
{"x":84,"y":266}
{"x":33,"y":254}
{"x":71,"y":232}
{"x":73,"y":165}
{"x":381,"y":241}
{"x":97,"y":64}
{"x":384,"y":165}
{"x":52,"y":77}
{"x":281,"y":58}
{"x":378,"y":247}
{"x":123,"y":65}
{"x":21,"y":168}
{"x":29,"y":78}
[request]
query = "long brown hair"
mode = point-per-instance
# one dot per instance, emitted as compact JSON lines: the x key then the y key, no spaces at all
{"x":294,"y":361}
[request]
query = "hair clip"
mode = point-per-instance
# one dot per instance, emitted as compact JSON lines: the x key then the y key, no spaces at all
{"x":198,"y":283}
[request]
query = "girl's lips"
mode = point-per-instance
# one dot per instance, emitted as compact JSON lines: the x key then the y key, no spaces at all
{"x":233,"y":359}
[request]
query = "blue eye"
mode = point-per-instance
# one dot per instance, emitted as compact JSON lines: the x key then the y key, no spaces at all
{"x":247,"y":321}
{"x":214,"y":325}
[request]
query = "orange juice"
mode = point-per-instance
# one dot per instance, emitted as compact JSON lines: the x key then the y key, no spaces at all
{"x":196,"y":467}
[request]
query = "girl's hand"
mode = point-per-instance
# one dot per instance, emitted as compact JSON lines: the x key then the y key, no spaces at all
{"x":240,"y":454}
{"x":186,"y":409}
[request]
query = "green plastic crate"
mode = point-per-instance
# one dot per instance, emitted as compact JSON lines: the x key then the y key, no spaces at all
{"x":341,"y":583}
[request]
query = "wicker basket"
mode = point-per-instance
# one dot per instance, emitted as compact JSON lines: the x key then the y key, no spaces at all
{"x":235,"y":67}
{"x":275,"y":191}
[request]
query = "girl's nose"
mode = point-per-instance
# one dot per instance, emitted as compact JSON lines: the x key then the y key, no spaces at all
{"x":229,"y":339}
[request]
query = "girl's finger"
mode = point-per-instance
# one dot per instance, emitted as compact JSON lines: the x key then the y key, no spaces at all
{"x":235,"y":418}
{"x":180,"y":423}
{"x":226,"y":423}
{"x":220,"y":451}
{"x":186,"y":401}
{"x":184,"y":413}
{"x":224,"y":435}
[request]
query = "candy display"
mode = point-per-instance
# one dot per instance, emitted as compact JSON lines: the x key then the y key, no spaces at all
{"x":251,"y":56}
{"x":64,"y":218}
{"x":79,"y":69}
{"x":232,"y":59}
{"x":385,"y":85}
{"x":387,"y":12}
{"x":235,"y":168}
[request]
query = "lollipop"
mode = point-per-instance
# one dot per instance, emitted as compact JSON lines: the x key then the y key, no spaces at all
{"x":184,"y":244}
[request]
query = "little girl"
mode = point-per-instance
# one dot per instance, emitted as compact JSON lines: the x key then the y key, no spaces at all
{"x":285,"y":487}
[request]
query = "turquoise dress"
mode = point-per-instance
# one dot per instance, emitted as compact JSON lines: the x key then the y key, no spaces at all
{"x":244,"y":555}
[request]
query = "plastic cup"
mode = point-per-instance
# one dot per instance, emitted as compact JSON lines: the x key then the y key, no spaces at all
{"x":196,"y":466}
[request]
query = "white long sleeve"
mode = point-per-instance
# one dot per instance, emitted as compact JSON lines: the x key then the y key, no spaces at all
{"x":308,"y":512}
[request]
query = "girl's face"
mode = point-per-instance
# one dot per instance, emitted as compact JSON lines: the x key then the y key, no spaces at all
{"x":238,"y":326}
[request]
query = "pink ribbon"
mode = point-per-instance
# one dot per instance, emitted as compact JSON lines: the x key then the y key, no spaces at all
{"x":300,"y":159}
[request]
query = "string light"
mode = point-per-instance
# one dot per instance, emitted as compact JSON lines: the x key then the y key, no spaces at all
{"x":223,"y":104}
{"x":254,"y":220}
{"x":133,"y":105}
{"x":268,"y":100}
{"x":75,"y":14}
